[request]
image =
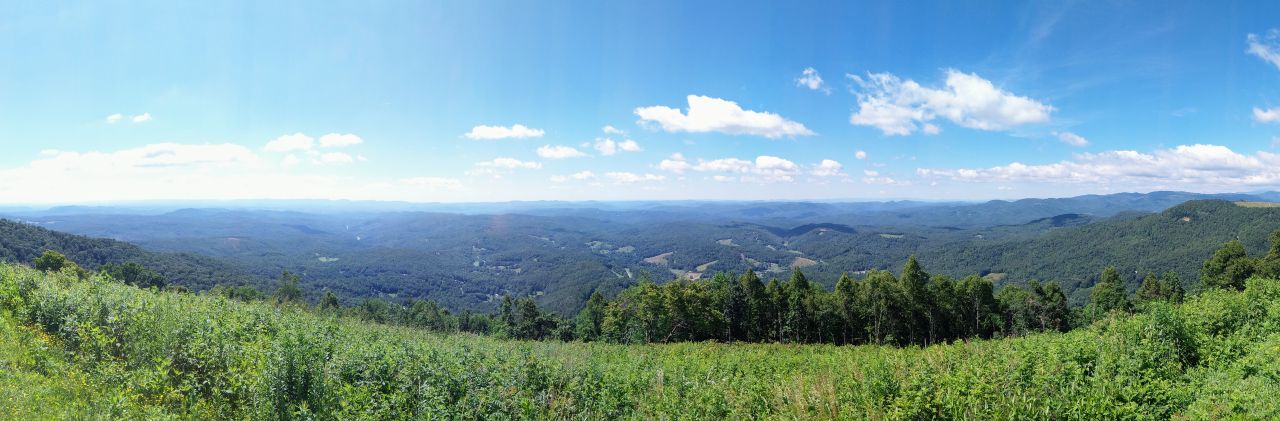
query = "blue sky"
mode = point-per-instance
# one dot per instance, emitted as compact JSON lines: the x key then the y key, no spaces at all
{"x":495,"y":101}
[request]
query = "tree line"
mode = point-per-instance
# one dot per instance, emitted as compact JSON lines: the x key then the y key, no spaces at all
{"x":912,"y":307}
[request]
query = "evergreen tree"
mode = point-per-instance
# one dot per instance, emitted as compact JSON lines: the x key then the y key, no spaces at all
{"x":779,"y":304}
{"x":757,"y":306}
{"x":799,"y":307}
{"x":1171,"y":284}
{"x":735,"y":309}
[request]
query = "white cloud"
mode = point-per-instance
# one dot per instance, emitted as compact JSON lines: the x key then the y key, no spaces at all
{"x":860,"y":154}
{"x":613,"y":130}
{"x":1072,"y":139}
{"x":764,"y":168}
{"x":141,"y":118}
{"x":1190,"y":167}
{"x":810,"y":78}
{"x":706,"y":114}
{"x":628,"y":178}
{"x":580,"y":176}
{"x":290,"y":161}
{"x":899,"y":107}
{"x":1266,"y":115}
{"x":163,"y":170}
{"x":776,"y":168}
{"x":609,"y":147}
{"x":518,"y":131}
{"x":724,"y":165}
{"x":510,"y":163}
{"x":291,"y":142}
{"x":1266,"y":48}
{"x":114,"y":118}
{"x":871,"y":173}
{"x":558,"y":152}
{"x":433,"y":183}
{"x":335,"y":140}
{"x":173,"y":171}
{"x":827,"y":168}
{"x":334,"y":158}
{"x":498,"y":167}
{"x":881,"y":180}
{"x":676,"y":164}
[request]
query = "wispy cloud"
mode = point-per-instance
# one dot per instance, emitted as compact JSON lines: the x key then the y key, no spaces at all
{"x":433,"y":183}
{"x":1186,"y":165}
{"x":1072,"y":139}
{"x":1269,"y":115}
{"x":336,"y":140}
{"x":810,"y":78}
{"x":1266,"y":47}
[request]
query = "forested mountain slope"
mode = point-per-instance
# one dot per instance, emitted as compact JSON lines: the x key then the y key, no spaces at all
{"x":1178,"y":239}
{"x":22,"y":243}
{"x":559,"y":253}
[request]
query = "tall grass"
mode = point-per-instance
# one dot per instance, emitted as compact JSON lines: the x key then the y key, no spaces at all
{"x":146,"y":354}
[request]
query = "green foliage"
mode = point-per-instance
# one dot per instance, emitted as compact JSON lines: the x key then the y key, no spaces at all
{"x":134,"y":274}
{"x":50,"y":250}
{"x":75,"y":348}
{"x":287,"y":290}
{"x":1108,"y":294}
{"x":50,"y":261}
{"x":1229,"y":267}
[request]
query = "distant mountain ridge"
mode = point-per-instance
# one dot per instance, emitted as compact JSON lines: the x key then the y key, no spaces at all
{"x":560,"y":255}
{"x":22,"y":243}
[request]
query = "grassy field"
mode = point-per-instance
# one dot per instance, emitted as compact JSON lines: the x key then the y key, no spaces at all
{"x":92,"y":349}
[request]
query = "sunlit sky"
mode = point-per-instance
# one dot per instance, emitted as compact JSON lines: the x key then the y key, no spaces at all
{"x":549,"y":100}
